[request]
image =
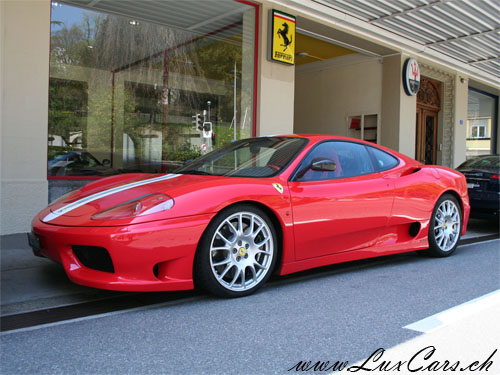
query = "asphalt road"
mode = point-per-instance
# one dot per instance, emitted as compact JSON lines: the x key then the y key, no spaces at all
{"x":341,"y":312}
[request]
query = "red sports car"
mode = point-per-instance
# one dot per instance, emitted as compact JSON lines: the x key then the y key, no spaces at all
{"x":229,"y":219}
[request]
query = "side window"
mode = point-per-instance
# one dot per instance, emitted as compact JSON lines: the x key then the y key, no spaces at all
{"x":354,"y":159}
{"x":383,"y":160}
{"x":351,"y":159}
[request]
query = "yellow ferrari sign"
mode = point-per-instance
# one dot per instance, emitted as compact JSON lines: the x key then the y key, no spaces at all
{"x":282,"y":39}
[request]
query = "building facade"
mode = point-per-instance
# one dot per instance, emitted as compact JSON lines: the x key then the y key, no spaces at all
{"x":93,"y":88}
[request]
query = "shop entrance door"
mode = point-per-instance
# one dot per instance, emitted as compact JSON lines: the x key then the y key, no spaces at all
{"x":428,"y":107}
{"x":426,"y":136}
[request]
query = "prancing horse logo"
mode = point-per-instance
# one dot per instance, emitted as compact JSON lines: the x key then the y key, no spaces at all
{"x":283,"y":33}
{"x":278,"y":187}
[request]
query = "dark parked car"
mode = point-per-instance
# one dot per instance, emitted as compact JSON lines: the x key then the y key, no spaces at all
{"x":78,"y":163}
{"x":483,"y":180}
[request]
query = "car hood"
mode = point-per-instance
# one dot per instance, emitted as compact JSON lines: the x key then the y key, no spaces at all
{"x":192,"y":195}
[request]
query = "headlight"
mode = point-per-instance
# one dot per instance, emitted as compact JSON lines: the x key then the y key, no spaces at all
{"x":145,"y":205}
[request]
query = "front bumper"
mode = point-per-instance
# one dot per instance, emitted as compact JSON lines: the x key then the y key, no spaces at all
{"x":154,"y":256}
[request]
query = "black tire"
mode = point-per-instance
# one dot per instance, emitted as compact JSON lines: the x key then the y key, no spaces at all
{"x":445,"y":226}
{"x":250,"y":262}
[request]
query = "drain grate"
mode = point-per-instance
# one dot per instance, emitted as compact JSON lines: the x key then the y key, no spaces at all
{"x":479,"y":239}
{"x":81,"y":310}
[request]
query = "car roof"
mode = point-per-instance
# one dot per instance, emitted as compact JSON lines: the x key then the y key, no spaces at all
{"x":315,"y":138}
{"x":485,"y":156}
{"x":321,"y":137}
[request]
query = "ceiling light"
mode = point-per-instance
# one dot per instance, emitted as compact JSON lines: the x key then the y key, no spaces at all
{"x":305,"y":54}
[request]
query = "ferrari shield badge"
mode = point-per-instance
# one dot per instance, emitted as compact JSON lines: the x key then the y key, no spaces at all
{"x":278,"y":187}
{"x":282,"y":37}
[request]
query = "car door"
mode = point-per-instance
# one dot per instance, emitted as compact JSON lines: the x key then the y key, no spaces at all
{"x":341,"y":210}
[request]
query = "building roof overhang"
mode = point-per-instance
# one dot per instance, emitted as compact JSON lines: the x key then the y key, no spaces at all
{"x":463,"y":35}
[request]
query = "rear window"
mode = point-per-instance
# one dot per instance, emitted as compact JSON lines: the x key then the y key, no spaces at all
{"x":486,"y":162}
{"x":383,"y":160}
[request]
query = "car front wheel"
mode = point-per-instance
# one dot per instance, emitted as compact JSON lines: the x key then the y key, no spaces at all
{"x":445,"y":226}
{"x":237,"y":253}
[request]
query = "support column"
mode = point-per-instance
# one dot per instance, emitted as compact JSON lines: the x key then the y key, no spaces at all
{"x":460,"y":121}
{"x":398,"y":109}
{"x":276,"y":88}
{"x":24,"y":77}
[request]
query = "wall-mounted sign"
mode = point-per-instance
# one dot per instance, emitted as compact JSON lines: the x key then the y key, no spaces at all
{"x":355,"y":123}
{"x":411,"y":77}
{"x":282,"y":37}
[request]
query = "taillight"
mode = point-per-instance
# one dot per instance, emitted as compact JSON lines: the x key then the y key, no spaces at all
{"x":495,"y":176}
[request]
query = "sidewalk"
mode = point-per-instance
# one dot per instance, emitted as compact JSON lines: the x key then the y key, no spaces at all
{"x":31,"y":283}
{"x":466,"y":338}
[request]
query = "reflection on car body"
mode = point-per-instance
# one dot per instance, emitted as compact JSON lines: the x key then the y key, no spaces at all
{"x":78,"y":163}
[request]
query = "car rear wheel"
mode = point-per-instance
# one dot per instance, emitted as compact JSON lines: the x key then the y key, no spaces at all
{"x":237,"y":252}
{"x":445,"y":226}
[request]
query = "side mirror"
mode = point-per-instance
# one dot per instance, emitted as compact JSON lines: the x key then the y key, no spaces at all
{"x":106,"y":162}
{"x":320,"y":165}
{"x":323,"y":165}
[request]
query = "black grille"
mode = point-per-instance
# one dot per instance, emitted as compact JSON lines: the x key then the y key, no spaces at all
{"x":94,"y":257}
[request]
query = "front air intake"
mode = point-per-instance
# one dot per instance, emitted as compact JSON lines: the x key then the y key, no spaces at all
{"x":94,"y":257}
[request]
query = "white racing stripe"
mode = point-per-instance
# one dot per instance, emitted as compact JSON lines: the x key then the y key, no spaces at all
{"x":105,"y":193}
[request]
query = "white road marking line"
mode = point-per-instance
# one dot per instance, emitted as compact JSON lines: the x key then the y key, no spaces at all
{"x":105,"y":193}
{"x":453,"y":314}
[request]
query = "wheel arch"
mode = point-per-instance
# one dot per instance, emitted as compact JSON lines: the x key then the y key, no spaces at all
{"x":463,"y":210}
{"x":457,"y":197}
{"x":435,"y":248}
{"x":273,"y":216}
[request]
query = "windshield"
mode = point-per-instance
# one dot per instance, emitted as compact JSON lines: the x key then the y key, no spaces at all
{"x":253,"y":157}
{"x":486,"y":162}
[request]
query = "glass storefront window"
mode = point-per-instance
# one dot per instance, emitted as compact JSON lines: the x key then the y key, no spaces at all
{"x":481,"y":118}
{"x":124,"y":91}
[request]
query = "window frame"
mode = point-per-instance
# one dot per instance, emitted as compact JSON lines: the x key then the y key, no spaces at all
{"x":494,"y":119}
{"x":257,"y":8}
{"x":479,"y":126}
{"x":376,"y":169}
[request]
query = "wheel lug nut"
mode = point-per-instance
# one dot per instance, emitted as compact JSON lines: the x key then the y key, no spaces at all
{"x":246,"y":256}
{"x":247,"y":246}
{"x":239,"y":243}
{"x":238,"y":258}
{"x":235,"y":251}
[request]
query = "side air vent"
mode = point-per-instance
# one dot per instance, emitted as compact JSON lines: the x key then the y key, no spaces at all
{"x":155,"y":270}
{"x":414,"y":229}
{"x":410,"y":171}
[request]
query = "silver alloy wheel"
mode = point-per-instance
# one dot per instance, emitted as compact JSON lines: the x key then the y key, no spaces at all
{"x":241,"y":251}
{"x":447,"y":225}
